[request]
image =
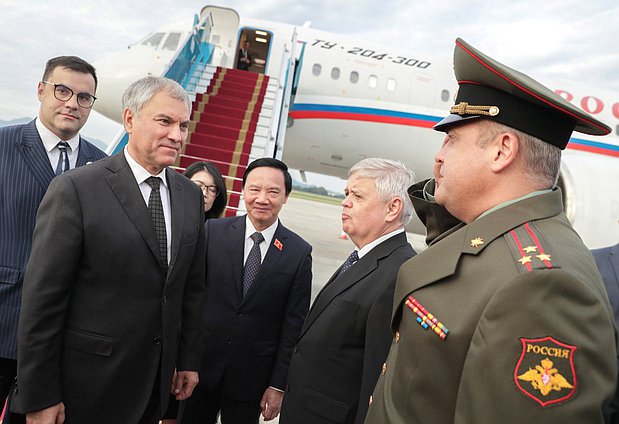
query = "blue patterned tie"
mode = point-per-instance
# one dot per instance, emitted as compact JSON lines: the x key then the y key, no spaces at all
{"x":63,"y":159}
{"x":354,"y":257}
{"x":253,"y":262}
{"x":156,"y":213}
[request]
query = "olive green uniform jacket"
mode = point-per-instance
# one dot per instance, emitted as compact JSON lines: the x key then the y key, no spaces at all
{"x":530,"y":334}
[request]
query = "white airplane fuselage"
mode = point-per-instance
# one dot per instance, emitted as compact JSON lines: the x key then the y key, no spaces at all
{"x":358,"y":99}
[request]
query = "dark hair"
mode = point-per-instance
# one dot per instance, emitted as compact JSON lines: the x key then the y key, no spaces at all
{"x":73,"y":63}
{"x":219,"y":205}
{"x":270,"y":163}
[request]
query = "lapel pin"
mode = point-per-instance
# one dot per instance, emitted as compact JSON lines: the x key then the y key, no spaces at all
{"x":278,"y":244}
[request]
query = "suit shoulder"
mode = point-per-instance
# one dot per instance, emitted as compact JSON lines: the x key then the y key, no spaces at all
{"x":295,"y":238}
{"x":96,"y":152}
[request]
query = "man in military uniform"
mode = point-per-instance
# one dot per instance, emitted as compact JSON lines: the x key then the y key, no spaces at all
{"x":504,"y":318}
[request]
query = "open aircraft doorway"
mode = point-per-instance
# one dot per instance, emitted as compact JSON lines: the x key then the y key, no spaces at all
{"x":258,"y":47}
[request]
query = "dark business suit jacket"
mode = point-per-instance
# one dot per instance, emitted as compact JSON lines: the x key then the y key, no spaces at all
{"x":25,"y":174}
{"x":100,"y":320}
{"x":607,"y":260}
{"x":249,"y":340}
{"x":345,"y":340}
{"x":242,"y":65}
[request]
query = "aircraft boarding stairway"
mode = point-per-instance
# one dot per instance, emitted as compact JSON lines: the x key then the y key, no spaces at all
{"x":230,"y":122}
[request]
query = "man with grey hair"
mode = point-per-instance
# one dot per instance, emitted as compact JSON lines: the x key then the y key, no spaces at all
{"x":346,"y":336}
{"x":114,"y":287}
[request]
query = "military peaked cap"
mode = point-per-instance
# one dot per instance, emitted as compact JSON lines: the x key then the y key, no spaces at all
{"x":489,"y":89}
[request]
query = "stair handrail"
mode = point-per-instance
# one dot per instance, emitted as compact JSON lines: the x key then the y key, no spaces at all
{"x":277,"y":126}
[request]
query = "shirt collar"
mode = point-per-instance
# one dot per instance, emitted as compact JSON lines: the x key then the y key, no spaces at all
{"x":366,"y":249}
{"x":140,"y":173}
{"x":50,"y":140}
{"x":268,"y":233}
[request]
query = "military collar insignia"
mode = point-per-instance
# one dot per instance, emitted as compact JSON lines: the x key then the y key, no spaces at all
{"x":477,"y":241}
{"x":545,"y":370}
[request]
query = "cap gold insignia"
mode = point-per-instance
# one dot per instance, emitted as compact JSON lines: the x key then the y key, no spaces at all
{"x":476,"y":242}
{"x":463,"y":108}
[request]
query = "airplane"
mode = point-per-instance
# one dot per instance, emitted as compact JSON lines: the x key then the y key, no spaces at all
{"x":330,"y":101}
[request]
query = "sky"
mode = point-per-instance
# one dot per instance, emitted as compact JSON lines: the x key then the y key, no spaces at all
{"x":553,"y":39}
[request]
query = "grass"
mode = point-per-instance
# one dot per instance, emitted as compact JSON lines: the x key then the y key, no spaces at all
{"x":315,"y":197}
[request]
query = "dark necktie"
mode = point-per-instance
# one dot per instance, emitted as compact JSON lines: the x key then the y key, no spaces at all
{"x":63,"y":159}
{"x":354,"y":257}
{"x":253,"y":262}
{"x":156,"y":213}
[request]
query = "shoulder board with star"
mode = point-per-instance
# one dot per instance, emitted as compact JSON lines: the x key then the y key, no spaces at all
{"x":529,"y":248}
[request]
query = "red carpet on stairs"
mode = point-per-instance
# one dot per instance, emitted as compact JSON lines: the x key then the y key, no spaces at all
{"x":224,"y":121}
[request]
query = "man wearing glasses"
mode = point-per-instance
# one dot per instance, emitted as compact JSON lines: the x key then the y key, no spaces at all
{"x":30,"y":156}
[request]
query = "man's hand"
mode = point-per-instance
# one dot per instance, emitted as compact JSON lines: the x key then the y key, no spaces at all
{"x":271,"y":403}
{"x":52,"y":415}
{"x":183,"y":384}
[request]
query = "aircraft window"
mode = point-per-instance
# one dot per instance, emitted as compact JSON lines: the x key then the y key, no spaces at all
{"x":316,"y":69}
{"x":390,"y":84}
{"x":445,"y":95}
{"x":335,"y":73}
{"x":373,"y":81}
{"x":172,"y":41}
{"x":354,"y":77}
{"x":153,"y":40}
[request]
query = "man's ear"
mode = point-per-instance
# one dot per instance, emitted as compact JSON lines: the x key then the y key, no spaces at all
{"x":394,"y":208}
{"x":128,"y":120}
{"x":505,"y":151}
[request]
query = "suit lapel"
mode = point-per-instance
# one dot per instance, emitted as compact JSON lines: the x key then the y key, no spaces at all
{"x":123,"y":185}
{"x":613,"y":258}
{"x":270,"y":260}
{"x":176,"y":207}
{"x":35,"y":156}
{"x":236,"y":241}
{"x":340,"y":283}
{"x":84,"y":153}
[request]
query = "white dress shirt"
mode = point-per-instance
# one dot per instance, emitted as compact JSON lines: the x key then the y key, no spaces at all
{"x":50,"y":142}
{"x":249,"y":242}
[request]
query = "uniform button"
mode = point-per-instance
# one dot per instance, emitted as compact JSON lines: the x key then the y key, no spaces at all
{"x":239,"y":314}
{"x":164,"y":299}
{"x":156,"y":341}
{"x":370,"y":401}
{"x":397,"y":336}
{"x":229,"y":341}
{"x":384,"y":370}
{"x":295,"y":349}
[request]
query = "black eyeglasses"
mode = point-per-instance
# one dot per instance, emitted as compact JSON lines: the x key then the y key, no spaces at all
{"x":210,"y":189}
{"x":64,"y":94}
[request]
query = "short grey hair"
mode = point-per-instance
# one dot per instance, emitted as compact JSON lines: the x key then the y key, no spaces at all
{"x":541,"y":160}
{"x":392,"y":180}
{"x":141,"y":91}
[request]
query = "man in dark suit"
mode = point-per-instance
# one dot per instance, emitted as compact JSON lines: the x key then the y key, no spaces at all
{"x":346,"y":337}
{"x":258,"y":293}
{"x":244,"y":59}
{"x":114,"y":287}
{"x":29,"y":157}
{"x":607,"y":261}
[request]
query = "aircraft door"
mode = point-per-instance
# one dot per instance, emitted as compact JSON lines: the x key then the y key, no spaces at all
{"x":253,"y":50}
{"x":224,"y":32}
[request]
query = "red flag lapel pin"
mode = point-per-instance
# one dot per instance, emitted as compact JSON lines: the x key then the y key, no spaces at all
{"x":278,"y":244}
